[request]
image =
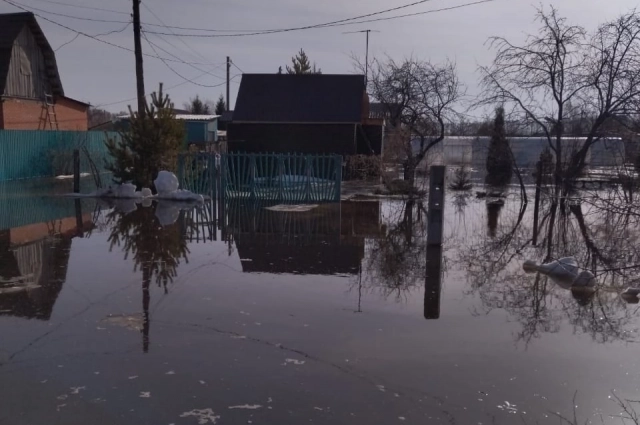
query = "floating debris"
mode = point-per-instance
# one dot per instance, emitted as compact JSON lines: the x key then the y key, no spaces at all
{"x":76,"y":390}
{"x":145,"y":394}
{"x":293,"y":361}
{"x":204,"y":416}
{"x":133,"y":377}
{"x":133,"y":322}
{"x":247,"y":406}
{"x":508,"y":407}
{"x":171,"y":372}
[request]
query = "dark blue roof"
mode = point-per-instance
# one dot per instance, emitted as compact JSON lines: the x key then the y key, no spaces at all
{"x":312,"y":98}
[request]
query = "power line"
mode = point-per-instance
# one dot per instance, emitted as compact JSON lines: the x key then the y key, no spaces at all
{"x":85,"y":7}
{"x":153,"y":47}
{"x":237,"y":67}
{"x":197,"y":54}
{"x":82,"y":18}
{"x":178,"y":58}
{"x":91,"y":36}
{"x":247,"y":32}
{"x":341,"y":22}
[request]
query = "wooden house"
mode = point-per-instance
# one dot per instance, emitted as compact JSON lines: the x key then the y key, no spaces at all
{"x":31,"y":93}
{"x":307,"y":114}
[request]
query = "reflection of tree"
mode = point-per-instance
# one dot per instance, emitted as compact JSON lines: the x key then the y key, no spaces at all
{"x":156,"y":250}
{"x":396,"y":262}
{"x":603,"y":241}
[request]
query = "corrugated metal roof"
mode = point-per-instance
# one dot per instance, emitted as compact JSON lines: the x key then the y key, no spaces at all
{"x":191,"y":117}
{"x":310,"y":98}
{"x":184,"y":117}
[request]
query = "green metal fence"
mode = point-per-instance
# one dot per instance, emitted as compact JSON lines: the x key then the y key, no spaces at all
{"x":282,"y":177}
{"x":278,"y":177}
{"x":26,"y":154}
{"x":198,"y":173}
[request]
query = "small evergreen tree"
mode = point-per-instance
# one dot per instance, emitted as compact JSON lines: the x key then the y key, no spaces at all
{"x":499,"y":163}
{"x":151,"y":143}
{"x":198,"y":107}
{"x":221,"y":106}
{"x":302,"y":65}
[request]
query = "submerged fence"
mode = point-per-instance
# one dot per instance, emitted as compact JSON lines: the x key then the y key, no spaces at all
{"x":26,"y":154}
{"x":281,"y":177}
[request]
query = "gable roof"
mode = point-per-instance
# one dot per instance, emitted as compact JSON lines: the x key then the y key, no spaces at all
{"x":310,"y":98}
{"x":11,"y":24}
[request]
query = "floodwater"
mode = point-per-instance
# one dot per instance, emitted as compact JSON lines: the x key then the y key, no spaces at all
{"x":166,"y":314}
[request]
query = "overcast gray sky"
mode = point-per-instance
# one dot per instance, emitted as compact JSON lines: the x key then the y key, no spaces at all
{"x":100,"y":74}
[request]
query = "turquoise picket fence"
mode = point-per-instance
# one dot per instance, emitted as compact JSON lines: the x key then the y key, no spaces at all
{"x":26,"y":154}
{"x":280,"y":177}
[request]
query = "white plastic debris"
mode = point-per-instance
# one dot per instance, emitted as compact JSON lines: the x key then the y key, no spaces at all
{"x":166,"y":183}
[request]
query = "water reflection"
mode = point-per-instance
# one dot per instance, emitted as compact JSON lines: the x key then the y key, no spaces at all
{"x":33,"y":265}
{"x":153,"y":237}
{"x":328,"y":239}
{"x":603,"y":240}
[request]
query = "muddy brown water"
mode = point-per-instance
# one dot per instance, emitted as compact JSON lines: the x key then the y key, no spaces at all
{"x":170,"y":315}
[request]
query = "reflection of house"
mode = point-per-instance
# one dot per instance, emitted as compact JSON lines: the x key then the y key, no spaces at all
{"x":326,"y":240}
{"x":30,"y":256}
{"x":310,"y":113}
{"x":31,"y":92}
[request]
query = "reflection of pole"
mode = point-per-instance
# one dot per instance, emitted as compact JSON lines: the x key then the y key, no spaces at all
{"x":536,"y":208}
{"x":435,"y":220}
{"x":79,"y":226}
{"x":433,"y":282}
{"x":146,"y":300}
{"x":76,"y":171}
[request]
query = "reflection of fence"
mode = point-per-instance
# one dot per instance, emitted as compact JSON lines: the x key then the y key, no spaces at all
{"x":251,"y":220}
{"x":277,"y":177}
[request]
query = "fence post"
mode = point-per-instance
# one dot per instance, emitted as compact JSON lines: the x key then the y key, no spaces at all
{"x":338,"y":174}
{"x":76,"y":171}
{"x":436,"y":205}
{"x":181,"y":178}
{"x":536,"y":206}
{"x":307,"y":166}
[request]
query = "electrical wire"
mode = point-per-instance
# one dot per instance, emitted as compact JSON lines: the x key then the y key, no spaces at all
{"x":245,"y":32}
{"x":82,"y":18}
{"x":153,"y":47}
{"x":84,"y":7}
{"x":237,"y":67}
{"x":341,"y":22}
{"x":197,"y":54}
{"x":91,"y":36}
{"x":178,"y":58}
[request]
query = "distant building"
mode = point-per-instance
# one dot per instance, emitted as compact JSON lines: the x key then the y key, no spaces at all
{"x":200,"y":130}
{"x":307,"y":114}
{"x":31,"y":94}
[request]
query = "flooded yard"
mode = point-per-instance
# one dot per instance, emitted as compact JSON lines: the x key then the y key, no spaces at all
{"x":233,"y":314}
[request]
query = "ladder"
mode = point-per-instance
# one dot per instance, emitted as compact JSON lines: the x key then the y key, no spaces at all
{"x":51,"y":111}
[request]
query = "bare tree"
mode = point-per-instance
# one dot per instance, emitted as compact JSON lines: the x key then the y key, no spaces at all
{"x":562,"y":75}
{"x":418,"y":98}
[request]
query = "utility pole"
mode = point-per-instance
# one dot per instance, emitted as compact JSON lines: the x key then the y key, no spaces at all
{"x":366,"y":60}
{"x":138,"y":54}
{"x":228,"y":82}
